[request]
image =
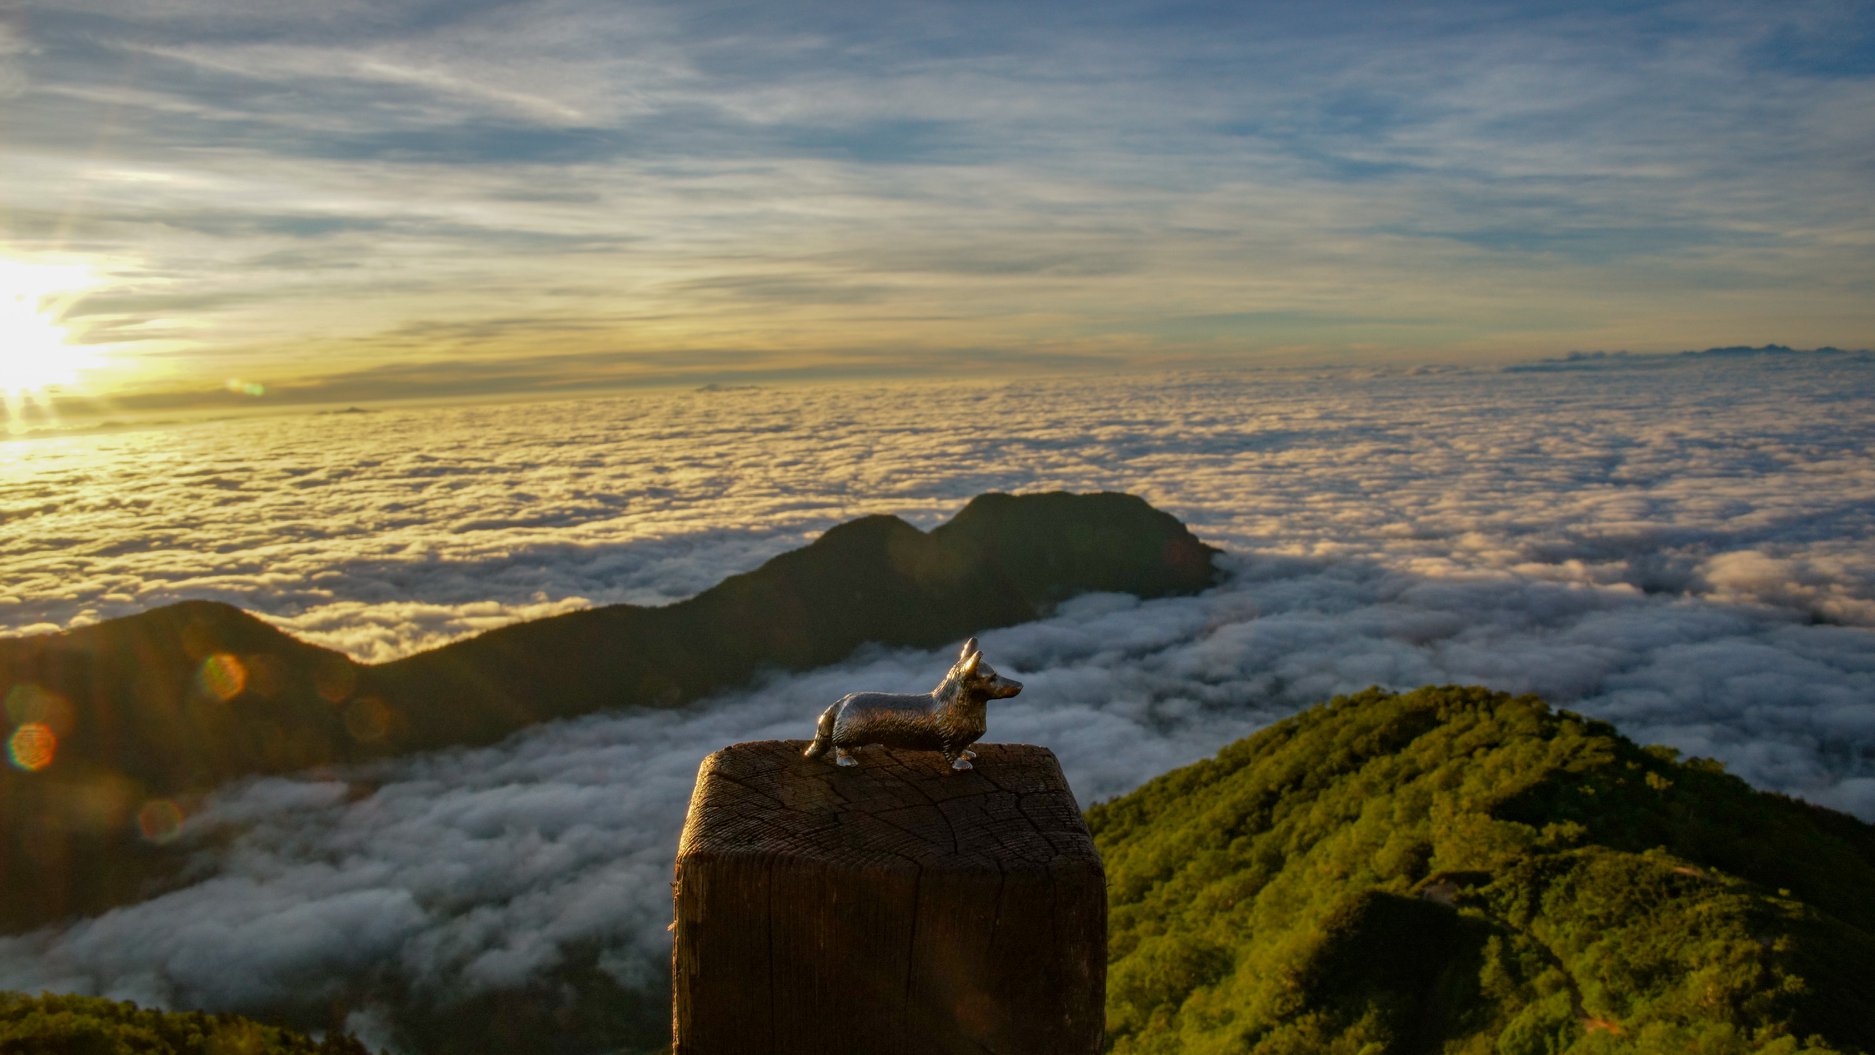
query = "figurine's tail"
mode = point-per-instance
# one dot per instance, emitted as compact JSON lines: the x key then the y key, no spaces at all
{"x":823,"y":734}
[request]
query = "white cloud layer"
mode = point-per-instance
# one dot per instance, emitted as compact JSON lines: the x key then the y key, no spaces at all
{"x":1682,"y":551}
{"x":386,"y":532}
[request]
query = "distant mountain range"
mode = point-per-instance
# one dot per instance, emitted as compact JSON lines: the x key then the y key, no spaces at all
{"x":178,"y":699}
{"x":1457,"y":870}
{"x":1577,"y":361}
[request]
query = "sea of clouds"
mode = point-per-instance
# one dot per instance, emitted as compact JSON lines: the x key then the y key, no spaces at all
{"x":1683,"y":551}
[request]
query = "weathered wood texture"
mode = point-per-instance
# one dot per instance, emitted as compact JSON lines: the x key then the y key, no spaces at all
{"x":898,"y":907}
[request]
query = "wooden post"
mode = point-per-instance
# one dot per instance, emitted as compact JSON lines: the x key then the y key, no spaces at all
{"x":897,"y":907}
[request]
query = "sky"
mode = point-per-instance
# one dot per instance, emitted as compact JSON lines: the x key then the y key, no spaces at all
{"x":1678,"y":545}
{"x":257,"y":200}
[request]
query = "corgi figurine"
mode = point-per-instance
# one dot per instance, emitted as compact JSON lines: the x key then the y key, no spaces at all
{"x":949,"y":718}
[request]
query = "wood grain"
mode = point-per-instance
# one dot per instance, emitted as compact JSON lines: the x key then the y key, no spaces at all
{"x":899,"y":906}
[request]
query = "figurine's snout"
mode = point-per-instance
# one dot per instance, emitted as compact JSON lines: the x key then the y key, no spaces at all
{"x":1009,"y":687}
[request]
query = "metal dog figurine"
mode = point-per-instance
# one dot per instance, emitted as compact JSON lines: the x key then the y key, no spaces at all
{"x":949,"y":718}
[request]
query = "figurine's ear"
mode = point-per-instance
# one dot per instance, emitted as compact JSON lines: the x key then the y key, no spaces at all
{"x":969,"y":666}
{"x":970,"y":646}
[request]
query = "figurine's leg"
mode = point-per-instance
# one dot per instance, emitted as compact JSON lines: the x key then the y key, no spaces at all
{"x":844,"y":757}
{"x":959,"y":757}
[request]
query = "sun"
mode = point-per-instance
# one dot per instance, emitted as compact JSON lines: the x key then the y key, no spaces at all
{"x":36,"y":349}
{"x":32,"y":347}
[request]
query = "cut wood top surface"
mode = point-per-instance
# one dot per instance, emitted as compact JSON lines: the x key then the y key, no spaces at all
{"x":897,"y":809}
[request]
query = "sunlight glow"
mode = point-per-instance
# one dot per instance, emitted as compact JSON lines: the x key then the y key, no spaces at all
{"x":36,"y":349}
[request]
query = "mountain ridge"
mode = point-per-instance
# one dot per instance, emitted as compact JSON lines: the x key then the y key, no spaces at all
{"x":172,"y":701}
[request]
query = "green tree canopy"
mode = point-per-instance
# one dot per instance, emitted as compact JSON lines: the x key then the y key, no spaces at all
{"x":89,"y":1025}
{"x":1457,"y":870}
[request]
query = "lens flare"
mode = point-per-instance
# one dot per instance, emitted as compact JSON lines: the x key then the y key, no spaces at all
{"x":26,"y":702}
{"x":335,"y":679}
{"x":368,"y":719}
{"x":32,"y":746}
{"x":222,"y":677}
{"x":159,"y":820}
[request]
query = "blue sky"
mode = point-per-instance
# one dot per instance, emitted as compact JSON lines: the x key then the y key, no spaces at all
{"x":341,"y":200}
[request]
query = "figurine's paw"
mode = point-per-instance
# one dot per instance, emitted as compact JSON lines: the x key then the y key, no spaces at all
{"x":967,"y":753}
{"x":962,"y":763}
{"x":845,"y":759}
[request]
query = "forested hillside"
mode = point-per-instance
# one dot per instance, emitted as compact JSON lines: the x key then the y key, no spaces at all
{"x":88,"y":1025}
{"x":1458,"y":870}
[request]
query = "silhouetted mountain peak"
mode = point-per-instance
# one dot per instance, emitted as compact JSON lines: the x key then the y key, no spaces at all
{"x":1056,"y":545}
{"x":197,"y":627}
{"x":875,"y":529}
{"x":1005,"y":559}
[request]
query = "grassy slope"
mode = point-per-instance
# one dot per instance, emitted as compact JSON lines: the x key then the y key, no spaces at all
{"x":1457,"y":870}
